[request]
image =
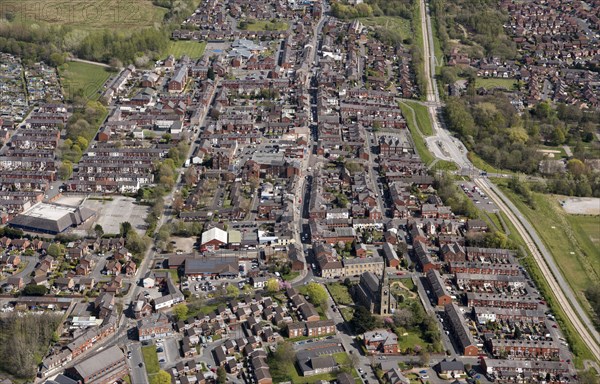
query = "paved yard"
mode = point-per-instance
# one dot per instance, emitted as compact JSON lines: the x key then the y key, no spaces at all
{"x":111,"y":213}
{"x":581,"y":205}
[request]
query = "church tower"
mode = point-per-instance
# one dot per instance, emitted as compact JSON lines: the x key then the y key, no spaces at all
{"x":384,"y":292}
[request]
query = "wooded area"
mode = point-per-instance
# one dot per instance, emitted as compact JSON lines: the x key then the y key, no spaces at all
{"x":24,"y":340}
{"x":491,"y":127}
{"x":49,"y":43}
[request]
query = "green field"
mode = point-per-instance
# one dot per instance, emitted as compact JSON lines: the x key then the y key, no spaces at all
{"x":394,"y":24}
{"x":570,"y":239}
{"x":75,"y":76}
{"x":490,"y":83}
{"x":263,"y":25}
{"x":340,"y":294}
{"x":150,"y":359}
{"x":193,"y":49}
{"x":87,"y":14}
{"x":420,"y":146}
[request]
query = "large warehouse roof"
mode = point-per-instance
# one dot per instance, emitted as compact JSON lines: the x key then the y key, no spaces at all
{"x":51,"y":218}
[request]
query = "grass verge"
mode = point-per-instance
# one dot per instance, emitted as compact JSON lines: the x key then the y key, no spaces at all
{"x":420,"y":146}
{"x":150,"y":359}
{"x":422,"y":116}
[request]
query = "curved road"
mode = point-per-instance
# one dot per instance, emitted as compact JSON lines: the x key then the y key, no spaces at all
{"x":445,"y":146}
{"x":543,"y":258}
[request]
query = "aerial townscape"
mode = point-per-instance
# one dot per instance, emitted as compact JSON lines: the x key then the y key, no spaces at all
{"x":299,"y":191}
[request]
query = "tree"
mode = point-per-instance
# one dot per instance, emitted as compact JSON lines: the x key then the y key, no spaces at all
{"x":272,"y":285}
{"x":180,"y":311}
{"x":65,"y":170}
{"x":232,"y":290}
{"x":221,"y":375}
{"x":317,"y":294}
{"x":517,"y":334}
{"x":211,"y":73}
{"x":54,"y":250}
{"x":135,"y":243}
{"x":403,"y":318}
{"x":424,"y":359}
{"x":161,"y":377}
{"x":285,"y":353}
{"x":576,"y":167}
{"x":34,"y":290}
{"x":125,"y":228}
{"x":57,"y":59}
{"x":190,"y":176}
{"x":99,"y":230}
{"x":363,"y":320}
{"x":558,"y":136}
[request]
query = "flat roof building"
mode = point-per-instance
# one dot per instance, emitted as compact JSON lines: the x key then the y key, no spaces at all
{"x":51,"y":218}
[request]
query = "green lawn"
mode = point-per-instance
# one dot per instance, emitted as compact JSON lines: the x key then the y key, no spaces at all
{"x":193,"y":49}
{"x":410,"y":340}
{"x":340,"y":294}
{"x":88,"y":14}
{"x":489,"y":83}
{"x":87,"y":77}
{"x":150,"y":359}
{"x":263,"y":25}
{"x":394,"y":24}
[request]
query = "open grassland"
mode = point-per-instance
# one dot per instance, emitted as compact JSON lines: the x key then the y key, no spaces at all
{"x":490,"y":83}
{"x":87,"y":77}
{"x":86,"y":14}
{"x":394,"y":24}
{"x":192,"y":49}
{"x":570,"y":239}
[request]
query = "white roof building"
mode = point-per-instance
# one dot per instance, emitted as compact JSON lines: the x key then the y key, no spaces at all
{"x":214,"y":234}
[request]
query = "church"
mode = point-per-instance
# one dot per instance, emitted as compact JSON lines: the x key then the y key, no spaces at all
{"x":374,"y":293}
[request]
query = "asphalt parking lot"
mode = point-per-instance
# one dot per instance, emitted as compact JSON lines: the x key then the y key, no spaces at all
{"x":481,"y":200}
